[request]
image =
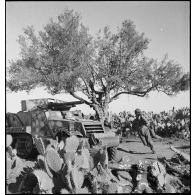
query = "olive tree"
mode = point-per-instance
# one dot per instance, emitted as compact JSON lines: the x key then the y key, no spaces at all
{"x":64,"y":58}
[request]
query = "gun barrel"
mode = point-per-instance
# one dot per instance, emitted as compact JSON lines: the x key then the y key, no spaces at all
{"x":63,"y":106}
{"x":49,"y":103}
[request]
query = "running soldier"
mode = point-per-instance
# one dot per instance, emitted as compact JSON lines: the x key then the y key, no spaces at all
{"x":141,"y":124}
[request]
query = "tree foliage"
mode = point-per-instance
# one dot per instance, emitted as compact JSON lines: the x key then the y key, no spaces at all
{"x":64,"y":57}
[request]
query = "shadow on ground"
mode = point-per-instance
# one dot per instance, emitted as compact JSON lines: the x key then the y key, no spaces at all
{"x":182,"y":147}
{"x":127,"y":141}
{"x":132,"y":152}
{"x":151,"y":158}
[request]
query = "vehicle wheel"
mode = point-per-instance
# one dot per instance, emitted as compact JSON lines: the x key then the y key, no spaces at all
{"x":29,"y":145}
{"x":24,"y":146}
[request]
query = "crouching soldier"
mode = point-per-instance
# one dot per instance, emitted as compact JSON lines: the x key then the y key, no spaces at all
{"x":143,"y":131}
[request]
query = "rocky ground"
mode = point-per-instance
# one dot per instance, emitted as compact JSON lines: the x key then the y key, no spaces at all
{"x":132,"y":148}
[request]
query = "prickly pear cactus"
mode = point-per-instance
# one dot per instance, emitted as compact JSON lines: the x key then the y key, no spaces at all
{"x":40,"y":145}
{"x":9,"y":165}
{"x":45,"y":182}
{"x":78,"y":177}
{"x":72,"y":144}
{"x":9,"y":140}
{"x":53,"y":160}
{"x":64,"y":191}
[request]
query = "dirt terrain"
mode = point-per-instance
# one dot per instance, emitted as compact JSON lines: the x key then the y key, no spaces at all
{"x":131,"y":147}
{"x":134,"y":148}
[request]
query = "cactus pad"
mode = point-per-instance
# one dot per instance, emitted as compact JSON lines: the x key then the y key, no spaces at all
{"x":9,"y":140}
{"x":45,"y":182}
{"x":71,"y":144}
{"x":78,"y":178}
{"x":40,"y":145}
{"x":53,"y":160}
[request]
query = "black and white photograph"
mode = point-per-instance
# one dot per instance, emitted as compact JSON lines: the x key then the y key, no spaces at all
{"x":97,"y":97}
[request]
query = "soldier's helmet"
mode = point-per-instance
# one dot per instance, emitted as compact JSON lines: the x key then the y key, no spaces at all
{"x":137,"y":111}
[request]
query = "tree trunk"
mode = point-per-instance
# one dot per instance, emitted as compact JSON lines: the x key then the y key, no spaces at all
{"x":101,"y":112}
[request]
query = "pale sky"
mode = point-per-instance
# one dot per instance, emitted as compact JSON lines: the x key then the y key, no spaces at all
{"x":166,"y":24}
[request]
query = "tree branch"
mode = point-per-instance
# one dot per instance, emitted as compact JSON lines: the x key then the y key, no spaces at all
{"x":91,"y":85}
{"x":126,"y":92}
{"x":91,"y":71}
{"x":87,"y":87}
{"x":79,"y":98}
{"x":104,"y":87}
{"x":137,"y":93}
{"x":164,"y":91}
{"x":114,"y":84}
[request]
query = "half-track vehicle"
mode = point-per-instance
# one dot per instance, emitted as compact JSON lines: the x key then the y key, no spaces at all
{"x":49,"y":119}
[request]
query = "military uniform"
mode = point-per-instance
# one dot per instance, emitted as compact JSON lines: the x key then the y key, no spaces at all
{"x":143,"y":131}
